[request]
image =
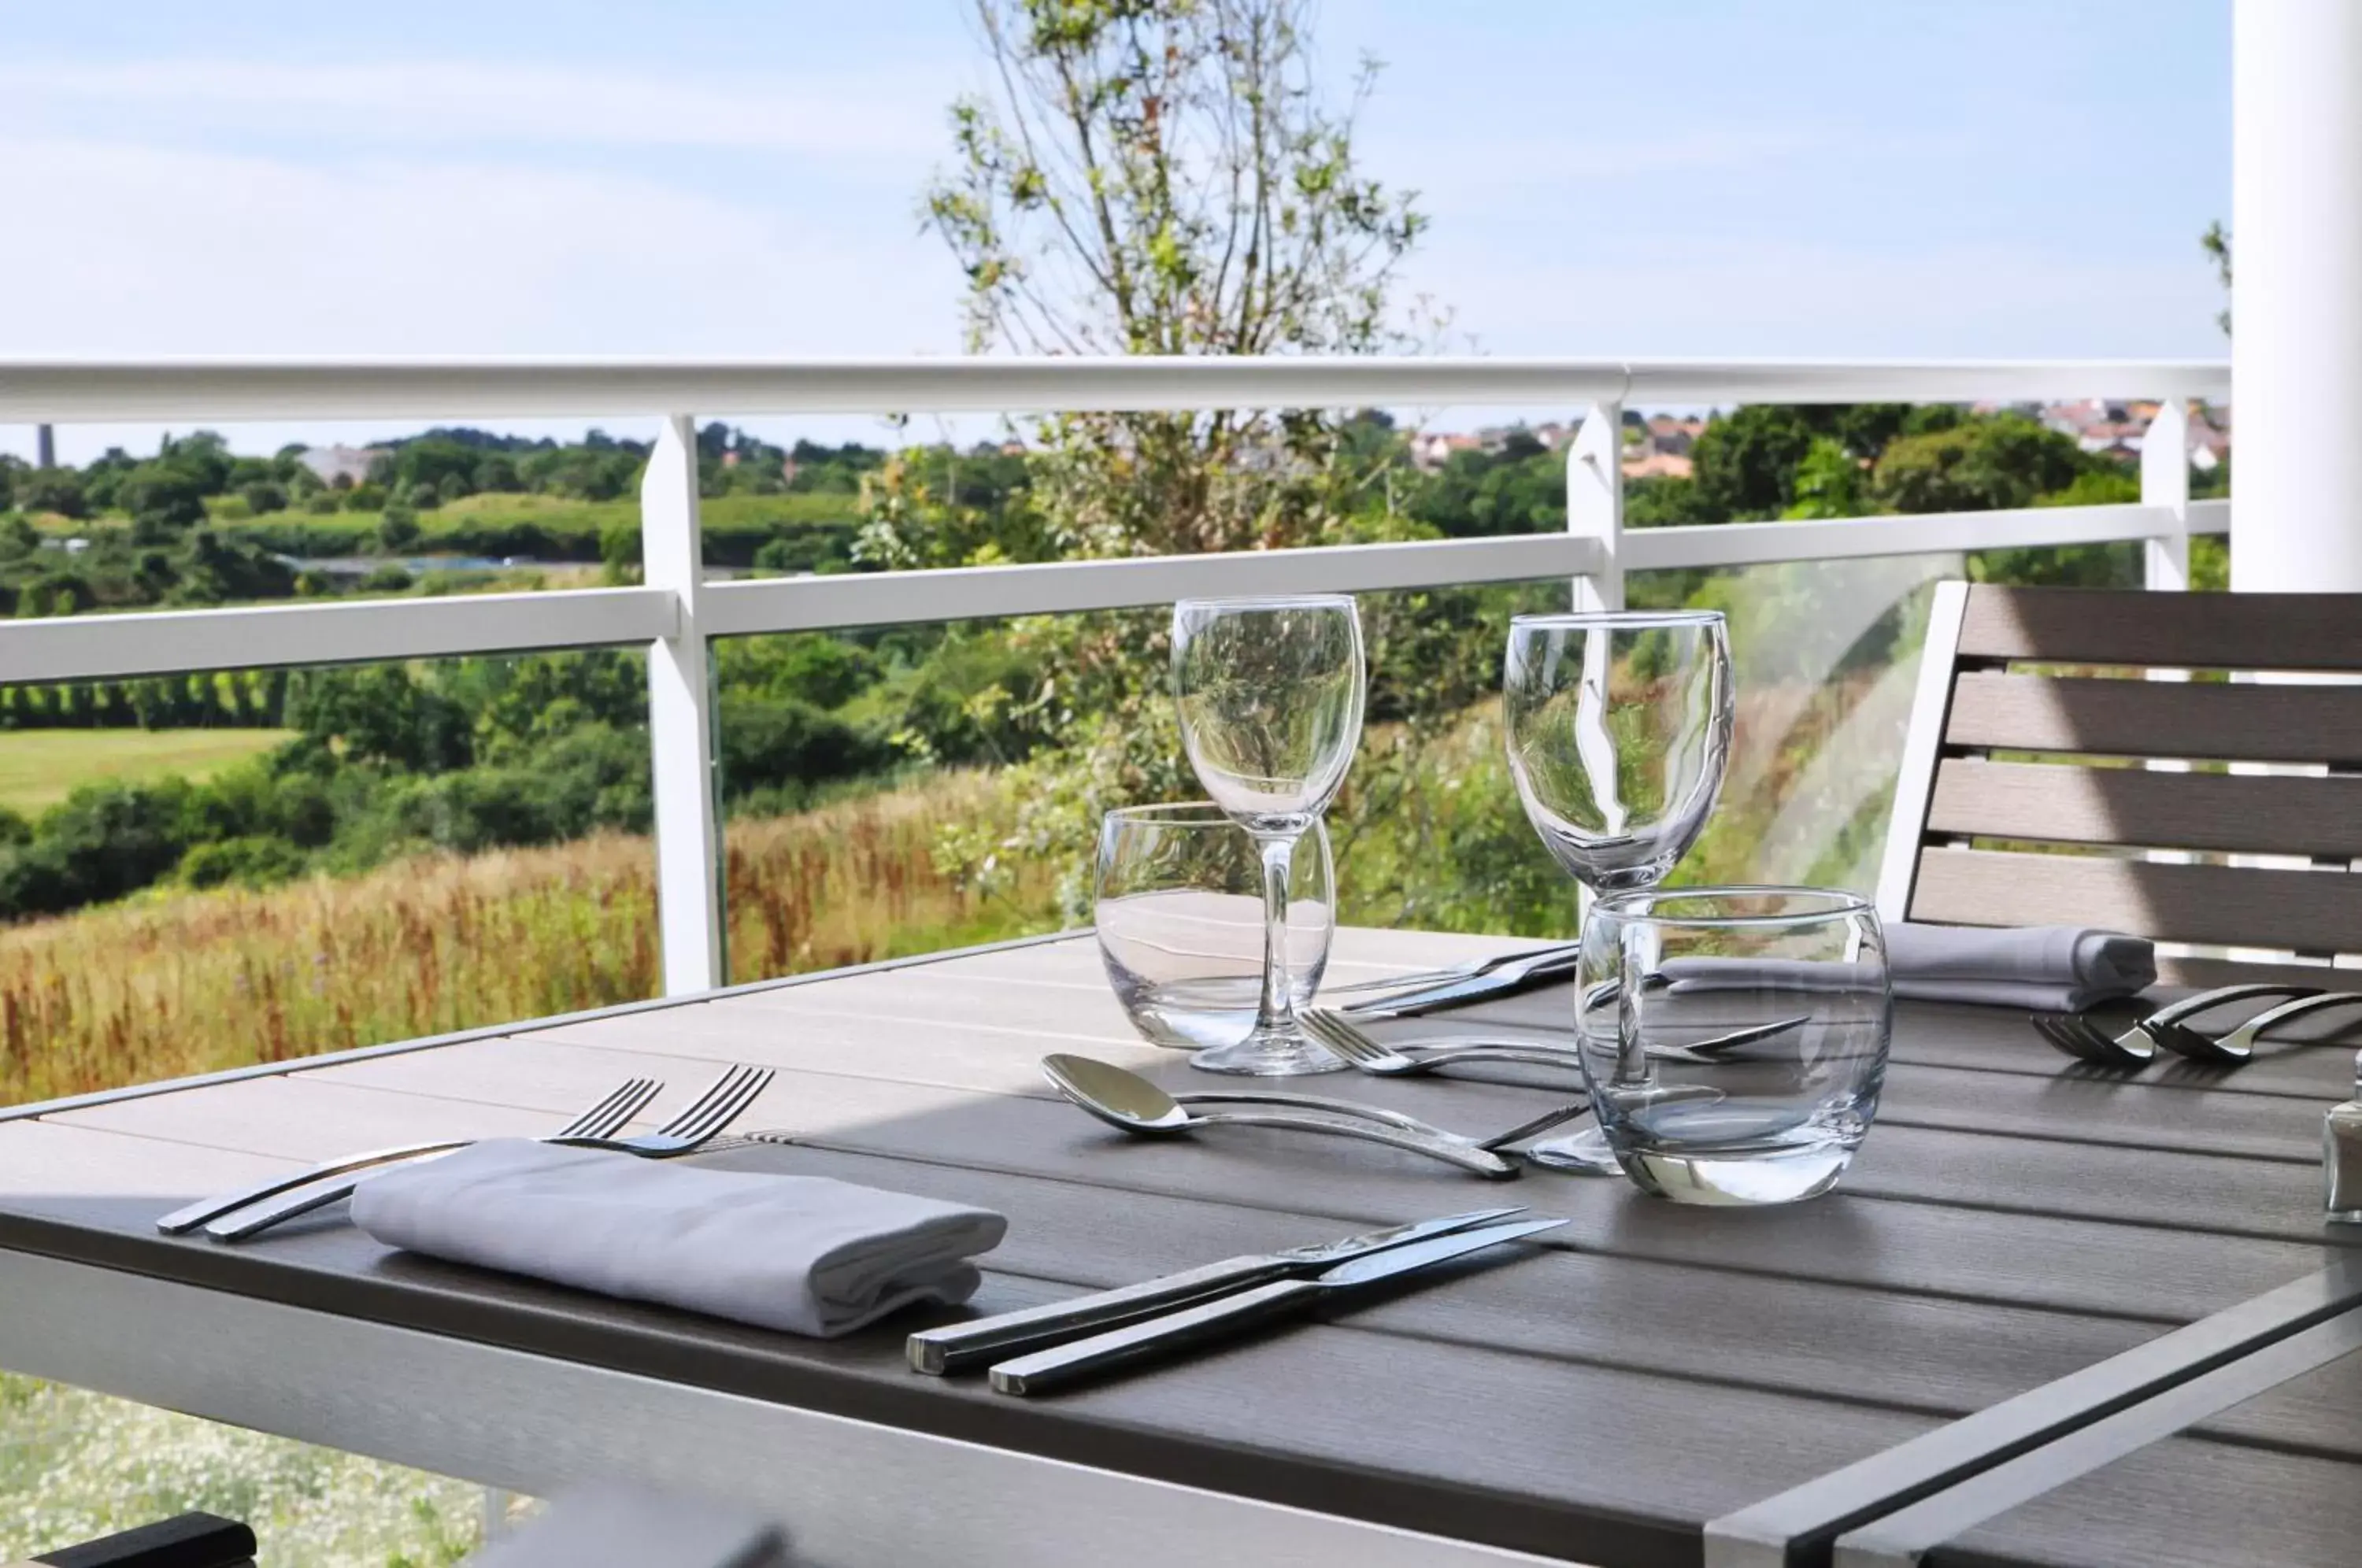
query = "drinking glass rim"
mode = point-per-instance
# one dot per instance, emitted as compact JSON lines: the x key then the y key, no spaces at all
{"x":1267,"y":602}
{"x":1614,"y":620}
{"x":1633,"y":904}
{"x":1172,"y":814}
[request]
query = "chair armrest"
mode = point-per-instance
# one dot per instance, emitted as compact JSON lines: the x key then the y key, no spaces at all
{"x":185,"y":1541}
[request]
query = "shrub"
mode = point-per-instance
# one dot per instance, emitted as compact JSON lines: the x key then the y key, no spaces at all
{"x":397,"y":530}
{"x":163,"y":495}
{"x":253,"y":862}
{"x":766,"y":742}
{"x":104,"y":841}
{"x":263,"y":496}
{"x":53,"y":490}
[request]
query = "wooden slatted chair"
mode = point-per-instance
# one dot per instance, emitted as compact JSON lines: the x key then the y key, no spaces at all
{"x":2031,"y":773}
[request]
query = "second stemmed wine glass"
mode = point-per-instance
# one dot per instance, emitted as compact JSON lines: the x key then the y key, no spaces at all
{"x":1269,"y":693}
{"x":1619,"y":732}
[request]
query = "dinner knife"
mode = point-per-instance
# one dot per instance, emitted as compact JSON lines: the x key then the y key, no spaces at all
{"x":1547,"y":970}
{"x":960,"y":1346}
{"x":1063,"y":1365}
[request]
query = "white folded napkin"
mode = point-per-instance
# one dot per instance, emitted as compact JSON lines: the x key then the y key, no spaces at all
{"x":2038,"y":967}
{"x":803,"y":1254}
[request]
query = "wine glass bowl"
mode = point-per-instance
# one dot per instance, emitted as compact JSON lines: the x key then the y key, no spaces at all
{"x":1618,"y":730}
{"x":1269,"y":693}
{"x":1270,"y":696}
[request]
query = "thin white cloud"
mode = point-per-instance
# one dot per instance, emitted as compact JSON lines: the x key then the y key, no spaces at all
{"x":158,"y":251}
{"x":441,"y":101}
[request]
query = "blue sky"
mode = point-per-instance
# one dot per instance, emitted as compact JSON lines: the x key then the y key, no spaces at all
{"x":1850,"y":178}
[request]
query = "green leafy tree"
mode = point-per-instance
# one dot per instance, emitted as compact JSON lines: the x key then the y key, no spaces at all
{"x":163,"y":497}
{"x":1746,"y":460}
{"x":1828,"y":483}
{"x":2216,"y":243}
{"x":58,"y":491}
{"x":1165,"y":177}
{"x":264,"y":496}
{"x":1992,"y":461}
{"x":1160,"y":177}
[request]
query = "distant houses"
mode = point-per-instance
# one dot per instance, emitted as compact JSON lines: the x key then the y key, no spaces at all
{"x":1653,"y":448}
{"x":1658,"y":446}
{"x":2121,"y":429}
{"x":341,"y":468}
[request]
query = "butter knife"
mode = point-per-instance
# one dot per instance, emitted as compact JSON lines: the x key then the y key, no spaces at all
{"x":961,"y":1346}
{"x":1045,"y":1371}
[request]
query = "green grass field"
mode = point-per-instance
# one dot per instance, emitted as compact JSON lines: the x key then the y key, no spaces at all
{"x":41,"y":767}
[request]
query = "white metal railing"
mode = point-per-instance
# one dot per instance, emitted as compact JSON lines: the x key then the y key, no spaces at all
{"x":677,"y":611}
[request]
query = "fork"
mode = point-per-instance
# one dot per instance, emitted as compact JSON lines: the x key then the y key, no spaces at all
{"x":711,"y":1113}
{"x":2075,"y":1034}
{"x":1341,"y":1035}
{"x":610,"y":1115}
{"x":2238,"y":1044}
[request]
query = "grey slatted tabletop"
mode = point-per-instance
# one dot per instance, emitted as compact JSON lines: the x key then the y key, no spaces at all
{"x":2013,"y":1220}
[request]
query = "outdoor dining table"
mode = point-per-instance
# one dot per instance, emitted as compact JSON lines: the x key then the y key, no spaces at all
{"x":2052,"y":1315}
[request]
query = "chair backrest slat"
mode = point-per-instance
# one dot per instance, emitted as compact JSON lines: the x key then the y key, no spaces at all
{"x":2047,"y":765}
{"x":2231,"y":906}
{"x":2172,"y":631}
{"x":2133,"y":806}
{"x":2235,"y":723}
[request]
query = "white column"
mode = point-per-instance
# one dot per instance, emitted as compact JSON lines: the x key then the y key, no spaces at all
{"x":681,"y":721}
{"x":2296,"y":304}
{"x":2165,"y":481}
{"x":1594,"y":503}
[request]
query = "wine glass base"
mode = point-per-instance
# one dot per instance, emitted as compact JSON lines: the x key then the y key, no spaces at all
{"x":1578,"y":1154}
{"x":1261,"y":1056}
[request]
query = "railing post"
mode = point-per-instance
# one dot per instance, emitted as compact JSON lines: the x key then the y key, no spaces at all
{"x":1594,"y":503}
{"x":2165,"y":481}
{"x":680,"y":720}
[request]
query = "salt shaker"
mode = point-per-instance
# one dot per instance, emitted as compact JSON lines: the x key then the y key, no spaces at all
{"x":2341,"y":1155}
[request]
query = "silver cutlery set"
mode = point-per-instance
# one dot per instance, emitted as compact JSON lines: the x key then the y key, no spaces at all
{"x":2169,"y":1027}
{"x":1043,"y":1349}
{"x":1039,"y":1350}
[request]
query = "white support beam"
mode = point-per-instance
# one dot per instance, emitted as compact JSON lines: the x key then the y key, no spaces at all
{"x":1061,"y":588}
{"x":680,"y":720}
{"x":1933,"y":532}
{"x":2296,"y":303}
{"x":2165,"y":486}
{"x":1595,"y":503}
{"x":169,"y":641}
{"x":87,"y":391}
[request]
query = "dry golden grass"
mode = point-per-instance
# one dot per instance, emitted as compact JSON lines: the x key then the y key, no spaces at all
{"x":200,"y":981}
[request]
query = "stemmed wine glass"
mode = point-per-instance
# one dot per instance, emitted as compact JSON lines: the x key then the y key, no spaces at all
{"x":1269,"y":692}
{"x":1619,"y":732}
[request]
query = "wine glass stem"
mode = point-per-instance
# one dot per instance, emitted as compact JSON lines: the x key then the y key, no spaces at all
{"x":1277,"y":1014}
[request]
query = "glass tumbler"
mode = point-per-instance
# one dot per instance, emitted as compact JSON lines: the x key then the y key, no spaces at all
{"x":1180,"y":914}
{"x":1734,"y":1039}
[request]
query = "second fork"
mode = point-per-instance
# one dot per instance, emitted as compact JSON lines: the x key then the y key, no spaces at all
{"x":706,"y":1119}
